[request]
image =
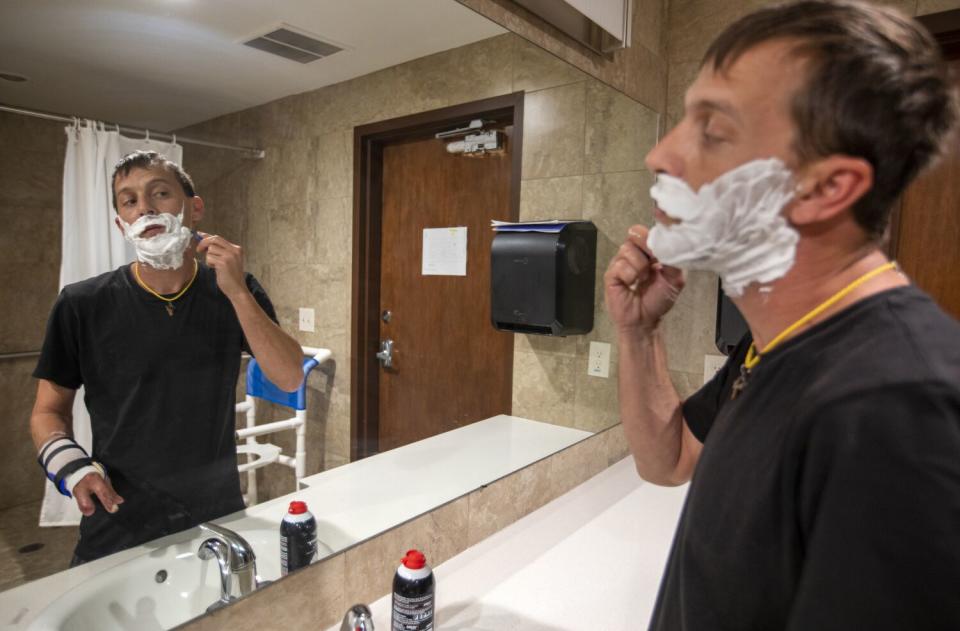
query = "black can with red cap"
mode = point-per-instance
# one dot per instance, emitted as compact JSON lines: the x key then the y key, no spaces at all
{"x":413,"y":594}
{"x":298,"y":538}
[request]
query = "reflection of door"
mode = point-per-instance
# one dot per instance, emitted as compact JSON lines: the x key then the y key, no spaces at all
{"x":928,"y":230}
{"x":449,"y":366}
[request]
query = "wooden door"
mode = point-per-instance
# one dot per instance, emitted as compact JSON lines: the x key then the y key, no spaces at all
{"x":450,"y":367}
{"x":928,"y":232}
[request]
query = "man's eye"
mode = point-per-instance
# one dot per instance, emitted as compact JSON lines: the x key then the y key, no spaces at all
{"x":161,"y":194}
{"x":711,"y":139}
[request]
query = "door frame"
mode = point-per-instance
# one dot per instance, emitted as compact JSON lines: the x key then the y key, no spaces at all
{"x":945,"y":28}
{"x":368,"y":143}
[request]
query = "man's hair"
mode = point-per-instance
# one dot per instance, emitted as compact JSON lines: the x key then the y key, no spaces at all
{"x":150,"y":160}
{"x":877,"y":88}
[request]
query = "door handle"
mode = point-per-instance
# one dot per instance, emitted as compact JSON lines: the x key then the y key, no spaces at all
{"x":386,"y":353}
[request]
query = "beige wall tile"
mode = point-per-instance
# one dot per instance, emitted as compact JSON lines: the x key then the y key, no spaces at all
{"x":686,"y":383}
{"x":460,"y":75}
{"x":689,"y":328}
{"x":614,"y":444}
{"x":646,"y":78}
{"x":536,"y":69}
{"x":614,"y":202}
{"x":576,"y":464}
{"x":547,"y":344}
{"x":501,"y":503}
{"x":543,"y":387}
{"x":682,"y":75}
{"x":22,"y":479}
{"x":553,"y":132}
{"x":649,"y":17}
{"x":291,"y":225}
{"x":551,"y":198}
{"x":596,"y":406}
{"x":935,"y":6}
{"x":32,"y":288}
{"x":331,"y":227}
{"x":619,"y":131}
{"x":333,"y":168}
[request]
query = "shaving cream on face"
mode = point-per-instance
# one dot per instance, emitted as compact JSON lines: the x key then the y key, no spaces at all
{"x":165,"y":249}
{"x":732,"y":226}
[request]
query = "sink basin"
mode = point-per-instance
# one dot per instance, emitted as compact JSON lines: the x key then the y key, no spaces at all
{"x":157,"y":590}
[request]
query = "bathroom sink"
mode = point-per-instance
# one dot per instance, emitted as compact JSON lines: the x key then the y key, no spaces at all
{"x":157,"y":590}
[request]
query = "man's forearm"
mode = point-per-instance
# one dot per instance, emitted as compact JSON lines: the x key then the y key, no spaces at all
{"x":44,"y":425}
{"x":278,"y":354}
{"x":650,"y":408}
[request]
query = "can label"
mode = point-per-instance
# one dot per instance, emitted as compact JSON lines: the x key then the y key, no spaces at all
{"x":298,"y":544}
{"x":412,"y":613}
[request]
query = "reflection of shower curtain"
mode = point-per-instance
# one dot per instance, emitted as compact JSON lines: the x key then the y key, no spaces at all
{"x":92,"y":245}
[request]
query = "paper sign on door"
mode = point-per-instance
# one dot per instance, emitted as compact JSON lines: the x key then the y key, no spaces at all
{"x":445,"y":251}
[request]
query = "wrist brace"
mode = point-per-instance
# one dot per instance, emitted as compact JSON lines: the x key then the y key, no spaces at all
{"x":63,"y":460}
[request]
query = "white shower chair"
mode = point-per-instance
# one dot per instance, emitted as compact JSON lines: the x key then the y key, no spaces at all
{"x":263,"y":454}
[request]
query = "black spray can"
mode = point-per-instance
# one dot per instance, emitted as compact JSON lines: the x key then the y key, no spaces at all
{"x":413,"y":594}
{"x":298,"y":538}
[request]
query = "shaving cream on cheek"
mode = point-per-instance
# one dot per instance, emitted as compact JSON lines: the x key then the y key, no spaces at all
{"x":732,"y":226}
{"x":165,"y":249}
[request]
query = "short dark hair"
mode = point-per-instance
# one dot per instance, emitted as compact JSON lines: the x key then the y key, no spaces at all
{"x":877,"y":88}
{"x":150,"y":160}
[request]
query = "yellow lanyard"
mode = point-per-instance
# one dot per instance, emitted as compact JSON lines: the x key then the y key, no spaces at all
{"x":169,"y":301}
{"x":753,"y":358}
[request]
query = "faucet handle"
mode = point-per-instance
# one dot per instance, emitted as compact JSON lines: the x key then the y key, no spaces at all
{"x":358,"y":618}
{"x":240,"y":552}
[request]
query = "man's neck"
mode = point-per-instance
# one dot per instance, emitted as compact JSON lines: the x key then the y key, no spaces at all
{"x":167,"y":281}
{"x":771,"y":309}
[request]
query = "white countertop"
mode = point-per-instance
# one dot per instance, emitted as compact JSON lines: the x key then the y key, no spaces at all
{"x":591,"y":559}
{"x":352,"y":502}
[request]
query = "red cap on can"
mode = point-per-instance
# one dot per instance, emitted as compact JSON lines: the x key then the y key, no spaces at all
{"x":414,"y":560}
{"x":297,"y":507}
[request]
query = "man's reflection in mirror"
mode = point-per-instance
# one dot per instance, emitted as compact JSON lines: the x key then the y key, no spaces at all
{"x":156,"y":345}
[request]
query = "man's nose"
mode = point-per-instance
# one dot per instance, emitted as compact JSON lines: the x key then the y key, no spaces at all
{"x":145,"y":207}
{"x":664,"y":158}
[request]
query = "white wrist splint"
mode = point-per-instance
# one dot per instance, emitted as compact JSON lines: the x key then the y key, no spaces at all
{"x":66,"y":463}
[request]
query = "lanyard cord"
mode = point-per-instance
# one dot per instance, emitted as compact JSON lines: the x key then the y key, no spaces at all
{"x":136,"y":272}
{"x":753,"y":358}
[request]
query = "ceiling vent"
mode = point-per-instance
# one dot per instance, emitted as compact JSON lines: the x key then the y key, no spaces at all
{"x":293,"y":45}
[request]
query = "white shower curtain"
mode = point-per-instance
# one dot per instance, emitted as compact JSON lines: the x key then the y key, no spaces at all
{"x":92,"y":245}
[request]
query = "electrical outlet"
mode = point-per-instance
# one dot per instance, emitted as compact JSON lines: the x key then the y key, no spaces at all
{"x":599,"y":363}
{"x":306,"y":319}
{"x":711,"y":365}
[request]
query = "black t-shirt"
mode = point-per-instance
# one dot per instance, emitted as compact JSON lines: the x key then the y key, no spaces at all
{"x":827,"y":494}
{"x":161,"y":392}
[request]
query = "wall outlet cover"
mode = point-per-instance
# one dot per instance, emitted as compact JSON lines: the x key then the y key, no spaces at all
{"x":306,"y":319}
{"x":599,"y":361}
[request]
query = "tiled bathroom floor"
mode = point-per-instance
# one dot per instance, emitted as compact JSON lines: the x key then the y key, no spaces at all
{"x":18,"y":528}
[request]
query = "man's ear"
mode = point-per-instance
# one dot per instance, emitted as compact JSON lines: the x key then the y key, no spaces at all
{"x":116,"y":220}
{"x":828,"y":187}
{"x":196,"y":209}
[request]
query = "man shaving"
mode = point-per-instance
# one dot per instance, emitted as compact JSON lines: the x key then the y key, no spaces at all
{"x":157,"y":345}
{"x":825,"y":455}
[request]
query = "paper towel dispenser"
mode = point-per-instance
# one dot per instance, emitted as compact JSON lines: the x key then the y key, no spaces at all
{"x":543,"y":281}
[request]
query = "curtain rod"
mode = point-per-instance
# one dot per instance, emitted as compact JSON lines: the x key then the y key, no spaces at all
{"x":250,"y":152}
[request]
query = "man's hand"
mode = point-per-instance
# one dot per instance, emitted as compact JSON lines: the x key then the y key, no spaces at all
{"x":93,"y":484}
{"x":226,"y":259}
{"x":639,"y":290}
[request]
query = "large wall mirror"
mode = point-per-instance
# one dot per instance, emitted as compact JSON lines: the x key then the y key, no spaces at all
{"x":182,"y":67}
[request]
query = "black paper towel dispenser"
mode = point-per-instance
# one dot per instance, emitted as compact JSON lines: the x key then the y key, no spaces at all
{"x":543,"y":282}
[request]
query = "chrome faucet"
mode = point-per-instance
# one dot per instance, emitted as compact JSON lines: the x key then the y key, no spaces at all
{"x":235,"y":559}
{"x":358,"y":618}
